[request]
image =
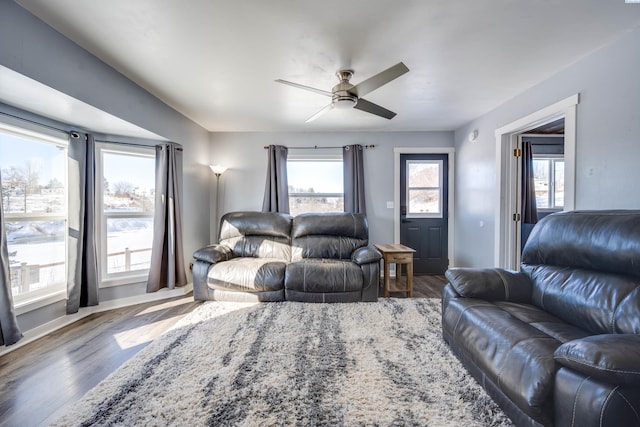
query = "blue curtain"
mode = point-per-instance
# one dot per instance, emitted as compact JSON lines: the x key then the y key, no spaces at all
{"x":9,"y":330}
{"x":528,"y":197}
{"x":353,"y":164}
{"x":82,"y":278}
{"x":276,"y":191}
{"x":167,"y":269}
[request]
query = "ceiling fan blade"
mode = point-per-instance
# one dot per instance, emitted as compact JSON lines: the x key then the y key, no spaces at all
{"x":372,"y":108}
{"x":299,"y":86}
{"x":319,"y":113}
{"x":380,"y":79}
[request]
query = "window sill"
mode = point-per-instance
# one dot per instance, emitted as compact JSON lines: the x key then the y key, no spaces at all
{"x":39,"y":302}
{"x":124,"y":280}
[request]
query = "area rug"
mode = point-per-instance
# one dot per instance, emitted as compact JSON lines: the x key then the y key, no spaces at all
{"x":294,"y":364}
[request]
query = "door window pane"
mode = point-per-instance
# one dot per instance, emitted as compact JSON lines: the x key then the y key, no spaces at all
{"x":424,"y":201}
{"x":423,"y":174}
{"x":424,"y":188}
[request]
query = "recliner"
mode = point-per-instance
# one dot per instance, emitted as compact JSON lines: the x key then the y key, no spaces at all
{"x":559,"y":342}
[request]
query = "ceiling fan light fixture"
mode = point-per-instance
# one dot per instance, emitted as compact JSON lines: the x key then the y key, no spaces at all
{"x":345,"y":101}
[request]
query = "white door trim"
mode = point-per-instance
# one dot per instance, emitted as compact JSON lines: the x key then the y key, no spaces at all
{"x":506,"y":138}
{"x":451,"y":152}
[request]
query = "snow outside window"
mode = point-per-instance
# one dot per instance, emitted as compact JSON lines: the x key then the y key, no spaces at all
{"x":34,"y":198}
{"x":548,"y":175}
{"x":126,"y":193}
{"x":316,"y":184}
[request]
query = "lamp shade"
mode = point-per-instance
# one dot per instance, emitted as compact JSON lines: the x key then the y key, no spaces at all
{"x":218,"y":169}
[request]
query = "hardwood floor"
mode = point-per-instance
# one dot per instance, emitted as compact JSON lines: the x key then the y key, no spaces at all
{"x":38,"y":381}
{"x":41,"y":378}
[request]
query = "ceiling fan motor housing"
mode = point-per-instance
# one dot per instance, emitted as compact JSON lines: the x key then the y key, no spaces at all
{"x":342,"y":98}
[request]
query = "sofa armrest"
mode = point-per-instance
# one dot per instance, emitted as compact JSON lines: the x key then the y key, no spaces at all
{"x":492,"y":284}
{"x":613,"y":358}
{"x":366,"y":255}
{"x":213,"y":254}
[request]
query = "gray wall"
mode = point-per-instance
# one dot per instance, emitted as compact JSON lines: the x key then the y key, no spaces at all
{"x":607,"y":147}
{"x":242,"y":186}
{"x":32,"y":48}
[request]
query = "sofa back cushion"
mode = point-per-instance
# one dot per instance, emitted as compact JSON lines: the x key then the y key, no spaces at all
{"x":257,"y":234}
{"x":328,"y":235}
{"x":585,"y":267}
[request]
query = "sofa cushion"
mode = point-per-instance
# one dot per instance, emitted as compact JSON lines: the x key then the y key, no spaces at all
{"x":513,"y":354}
{"x":257,"y":234}
{"x":602,"y":303}
{"x":604,"y":241}
{"x":613,"y":358}
{"x":323,"y":275}
{"x":248,"y":275}
{"x":335,"y":235}
{"x":543,"y":321}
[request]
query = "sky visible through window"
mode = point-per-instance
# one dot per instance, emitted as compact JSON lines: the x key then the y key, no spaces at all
{"x":323,"y":176}
{"x":15,"y":151}
{"x":136,"y":170}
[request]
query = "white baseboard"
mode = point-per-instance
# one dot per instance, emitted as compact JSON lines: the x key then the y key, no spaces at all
{"x":49,"y":327}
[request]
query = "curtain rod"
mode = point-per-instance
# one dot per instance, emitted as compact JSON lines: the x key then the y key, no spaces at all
{"x":315,"y":147}
{"x":133,"y":144}
{"x":67,"y":131}
{"x":33,"y":122}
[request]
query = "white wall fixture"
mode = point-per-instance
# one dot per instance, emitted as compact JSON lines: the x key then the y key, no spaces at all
{"x":473,"y":135}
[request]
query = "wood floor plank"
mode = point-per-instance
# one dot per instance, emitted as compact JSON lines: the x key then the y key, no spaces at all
{"x":39,"y":380}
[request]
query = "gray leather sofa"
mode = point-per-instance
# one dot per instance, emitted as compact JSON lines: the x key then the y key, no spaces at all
{"x":559,"y":342}
{"x":265,"y":256}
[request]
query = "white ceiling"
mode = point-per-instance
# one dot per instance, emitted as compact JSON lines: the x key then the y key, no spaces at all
{"x":215,"y":61}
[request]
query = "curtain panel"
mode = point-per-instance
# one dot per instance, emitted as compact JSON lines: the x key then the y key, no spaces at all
{"x":82,"y":279}
{"x":276,"y":191}
{"x":167,"y":268}
{"x":9,"y":330}
{"x":529,"y":208}
{"x":353,"y":164}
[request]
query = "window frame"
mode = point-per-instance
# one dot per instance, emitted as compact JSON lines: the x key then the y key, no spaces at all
{"x":127,"y":277}
{"x":408,"y":188}
{"x":551,"y":159}
{"x":50,"y":294}
{"x":318,"y":156}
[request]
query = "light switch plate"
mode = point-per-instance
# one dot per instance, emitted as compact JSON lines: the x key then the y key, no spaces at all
{"x":389,"y":205}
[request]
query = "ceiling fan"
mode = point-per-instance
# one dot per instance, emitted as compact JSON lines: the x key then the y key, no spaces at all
{"x":347,"y":95}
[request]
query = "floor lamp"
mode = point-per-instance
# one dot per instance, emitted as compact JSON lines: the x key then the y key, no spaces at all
{"x":217,"y":171}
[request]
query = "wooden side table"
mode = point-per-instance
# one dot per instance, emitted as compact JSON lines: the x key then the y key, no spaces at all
{"x":397,"y":254}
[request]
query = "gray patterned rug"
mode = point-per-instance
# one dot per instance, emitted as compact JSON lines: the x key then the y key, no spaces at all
{"x":283,"y":364}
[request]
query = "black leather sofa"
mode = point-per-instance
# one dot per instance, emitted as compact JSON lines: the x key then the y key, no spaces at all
{"x":559,"y":342}
{"x":265,"y":256}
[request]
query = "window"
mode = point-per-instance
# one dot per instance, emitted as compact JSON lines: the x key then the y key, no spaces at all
{"x":34,"y":198}
{"x":548,"y":175}
{"x":424,"y":188}
{"x":316,"y":184}
{"x":126,"y":192}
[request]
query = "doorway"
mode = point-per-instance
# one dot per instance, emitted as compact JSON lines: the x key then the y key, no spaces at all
{"x":424,"y":215}
{"x":423,"y":206}
{"x":507,"y":224}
